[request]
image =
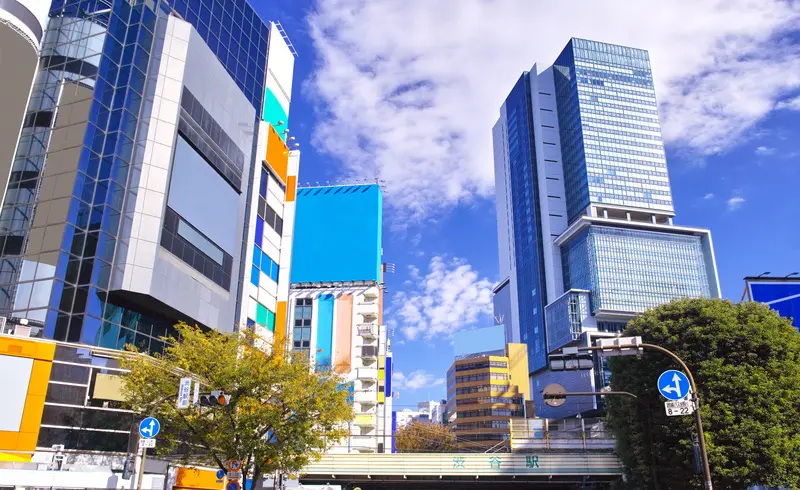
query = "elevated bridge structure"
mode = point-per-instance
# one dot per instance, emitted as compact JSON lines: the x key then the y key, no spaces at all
{"x":545,"y":468}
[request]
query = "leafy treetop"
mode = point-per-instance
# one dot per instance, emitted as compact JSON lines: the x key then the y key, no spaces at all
{"x":281,"y":413}
{"x":745,"y":360}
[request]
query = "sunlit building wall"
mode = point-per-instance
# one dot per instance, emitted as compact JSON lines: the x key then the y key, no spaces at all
{"x":151,"y":184}
{"x":336,"y":303}
{"x":584,"y":210}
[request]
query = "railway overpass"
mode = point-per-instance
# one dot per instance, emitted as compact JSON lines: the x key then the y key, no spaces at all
{"x":545,"y":469}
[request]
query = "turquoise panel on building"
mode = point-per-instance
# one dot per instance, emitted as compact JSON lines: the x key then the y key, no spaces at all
{"x":274,"y":113}
{"x":324,"y":331}
{"x":337,"y":234}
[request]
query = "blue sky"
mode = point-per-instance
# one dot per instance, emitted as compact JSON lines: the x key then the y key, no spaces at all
{"x":407,"y":92}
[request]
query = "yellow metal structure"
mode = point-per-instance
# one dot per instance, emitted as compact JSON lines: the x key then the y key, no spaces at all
{"x":22,"y":443}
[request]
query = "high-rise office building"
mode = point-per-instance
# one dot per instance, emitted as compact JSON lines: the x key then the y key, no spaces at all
{"x":585,"y":215}
{"x":22,"y":24}
{"x":152,"y":184}
{"x":336,"y":303}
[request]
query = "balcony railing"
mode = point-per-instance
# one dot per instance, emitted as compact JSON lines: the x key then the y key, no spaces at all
{"x":367,"y":374}
{"x":369,"y":352}
{"x":365,"y":420}
{"x":366,"y":397}
{"x":368,"y":330}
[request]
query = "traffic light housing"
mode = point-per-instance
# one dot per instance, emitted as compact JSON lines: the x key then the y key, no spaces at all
{"x":127,"y":467}
{"x":214,"y":399}
{"x":582,"y":361}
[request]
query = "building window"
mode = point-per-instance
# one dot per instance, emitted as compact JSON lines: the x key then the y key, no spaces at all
{"x":301,"y":335}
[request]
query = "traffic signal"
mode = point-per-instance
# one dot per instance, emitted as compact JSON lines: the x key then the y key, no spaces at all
{"x":571,"y":362}
{"x":213,"y":399}
{"x":127,"y":468}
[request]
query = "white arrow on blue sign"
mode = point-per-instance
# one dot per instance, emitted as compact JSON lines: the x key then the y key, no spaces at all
{"x":673,"y":385}
{"x":149,"y":427}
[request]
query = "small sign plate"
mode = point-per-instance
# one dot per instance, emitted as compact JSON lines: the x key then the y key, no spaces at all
{"x":234,"y":475}
{"x":679,"y":408}
{"x":147,"y":443}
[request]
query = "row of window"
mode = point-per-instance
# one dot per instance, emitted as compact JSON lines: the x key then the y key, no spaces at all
{"x":489,"y":412}
{"x":301,"y":335}
{"x":263,"y":263}
{"x":480,"y":377}
{"x":492,"y":424}
{"x":481,"y":365}
{"x":490,"y":399}
{"x":497,"y":388}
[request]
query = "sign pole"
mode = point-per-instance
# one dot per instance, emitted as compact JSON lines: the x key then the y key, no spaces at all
{"x":696,"y":399}
{"x":141,"y":470}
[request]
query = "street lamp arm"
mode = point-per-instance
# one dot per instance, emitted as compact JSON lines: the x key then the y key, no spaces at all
{"x":594,"y":393}
{"x":698,"y":420}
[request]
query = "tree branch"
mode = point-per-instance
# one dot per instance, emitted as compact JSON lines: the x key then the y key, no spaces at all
{"x":203,"y":440}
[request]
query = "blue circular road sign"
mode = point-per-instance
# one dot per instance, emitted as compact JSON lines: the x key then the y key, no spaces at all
{"x":233,"y":485}
{"x":149,"y":427}
{"x":220,"y":474}
{"x":673,"y":385}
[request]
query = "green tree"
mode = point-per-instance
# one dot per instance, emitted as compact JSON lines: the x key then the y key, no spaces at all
{"x":424,"y":437}
{"x":746,"y":362}
{"x":280,"y":415}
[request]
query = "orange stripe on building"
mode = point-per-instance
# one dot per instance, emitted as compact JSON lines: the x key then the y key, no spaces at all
{"x":277,"y":154}
{"x":280,"y":326}
{"x":342,"y":355}
{"x":291,"y":188}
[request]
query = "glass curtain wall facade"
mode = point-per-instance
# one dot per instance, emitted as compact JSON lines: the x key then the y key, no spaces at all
{"x":611,"y":136}
{"x":60,"y":221}
{"x":527,"y":231}
{"x":585,"y":214}
{"x":632,"y":270}
{"x":140,"y":112}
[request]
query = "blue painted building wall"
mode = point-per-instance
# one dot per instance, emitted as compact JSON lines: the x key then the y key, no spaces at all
{"x":337,"y":234}
{"x":324,"y":331}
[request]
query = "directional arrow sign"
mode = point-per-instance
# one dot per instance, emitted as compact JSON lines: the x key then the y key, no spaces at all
{"x":149,"y":427}
{"x":673,"y":385}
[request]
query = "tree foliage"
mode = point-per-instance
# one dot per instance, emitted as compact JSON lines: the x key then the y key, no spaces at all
{"x":424,"y":437}
{"x":280,"y":415}
{"x":746,"y":362}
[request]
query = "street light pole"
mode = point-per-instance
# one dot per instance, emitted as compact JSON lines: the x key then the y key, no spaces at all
{"x":697,"y":419}
{"x":641,"y":404}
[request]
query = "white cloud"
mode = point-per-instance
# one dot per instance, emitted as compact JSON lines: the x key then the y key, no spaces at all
{"x":408,"y":90}
{"x":416,"y":380}
{"x":735,"y":203}
{"x":792,"y":104}
{"x":709,"y":196}
{"x":765,"y":151}
{"x":450,"y":296}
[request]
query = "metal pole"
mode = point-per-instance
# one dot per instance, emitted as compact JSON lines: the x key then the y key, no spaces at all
{"x":696,"y":398}
{"x":141,"y":470}
{"x":646,"y":413}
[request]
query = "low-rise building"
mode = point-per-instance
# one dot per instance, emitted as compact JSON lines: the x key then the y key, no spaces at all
{"x":486,"y":389}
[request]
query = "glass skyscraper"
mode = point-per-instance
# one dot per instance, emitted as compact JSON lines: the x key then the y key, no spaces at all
{"x":585,"y":214}
{"x":153,"y":183}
